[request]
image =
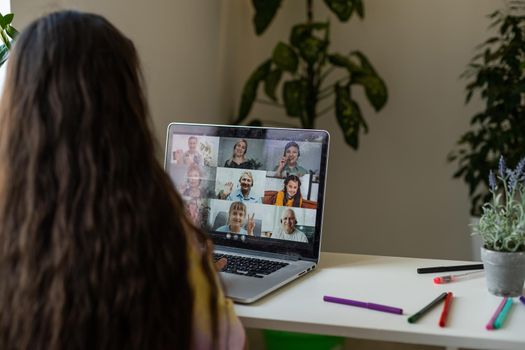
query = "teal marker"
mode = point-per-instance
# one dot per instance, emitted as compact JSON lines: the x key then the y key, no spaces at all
{"x":503,"y":314}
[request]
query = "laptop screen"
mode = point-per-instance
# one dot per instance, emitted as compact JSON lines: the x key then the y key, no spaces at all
{"x":249,"y":187}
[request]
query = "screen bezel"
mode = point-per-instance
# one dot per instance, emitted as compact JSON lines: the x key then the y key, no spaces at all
{"x":298,"y":250}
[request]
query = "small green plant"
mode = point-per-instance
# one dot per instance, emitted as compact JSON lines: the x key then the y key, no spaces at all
{"x":7,"y":34}
{"x":502,"y":224}
{"x":313,"y":80}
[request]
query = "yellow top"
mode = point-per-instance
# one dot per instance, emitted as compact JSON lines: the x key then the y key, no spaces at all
{"x":279,"y":200}
{"x":231,"y":331}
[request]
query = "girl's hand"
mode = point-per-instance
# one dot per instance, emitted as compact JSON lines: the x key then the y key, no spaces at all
{"x":220,"y":264}
{"x":282,"y":163}
{"x":251,"y":224}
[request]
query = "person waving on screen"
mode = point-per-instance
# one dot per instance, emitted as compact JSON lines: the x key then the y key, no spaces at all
{"x":243,"y":193}
{"x":288,"y":164}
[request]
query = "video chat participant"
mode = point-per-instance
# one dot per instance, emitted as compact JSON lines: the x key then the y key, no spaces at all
{"x":193,"y":188}
{"x":191,"y":156}
{"x":236,"y":216}
{"x":243,"y":193}
{"x":287,"y":229}
{"x":290,"y":196}
{"x":288,"y":164}
{"x":238,"y":158}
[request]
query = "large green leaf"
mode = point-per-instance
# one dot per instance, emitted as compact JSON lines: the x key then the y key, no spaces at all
{"x":300,"y":31}
{"x":343,"y":9}
{"x":365,"y":63}
{"x":249,"y":92}
{"x":12,"y":32}
{"x":311,"y":49}
{"x":343,"y":61}
{"x":375,"y":89}
{"x":294,"y":92}
{"x":2,"y":21}
{"x":271,"y":81}
{"x":7,"y":20}
{"x":265,"y":11}
{"x":310,"y":46}
{"x":285,"y":57}
{"x":348,"y":115}
{"x":359,"y":8}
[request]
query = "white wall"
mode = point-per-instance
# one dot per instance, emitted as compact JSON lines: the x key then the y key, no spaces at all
{"x":178,"y":42}
{"x":395,"y":195}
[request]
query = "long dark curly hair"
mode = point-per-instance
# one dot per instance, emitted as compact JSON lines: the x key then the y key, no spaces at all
{"x":93,"y":239}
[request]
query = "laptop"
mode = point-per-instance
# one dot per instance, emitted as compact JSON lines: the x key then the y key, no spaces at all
{"x":259,"y":193}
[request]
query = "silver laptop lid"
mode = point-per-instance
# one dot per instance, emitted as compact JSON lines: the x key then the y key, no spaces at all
{"x":255,"y":188}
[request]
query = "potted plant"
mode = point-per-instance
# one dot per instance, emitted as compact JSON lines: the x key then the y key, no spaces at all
{"x":496,"y":73}
{"x":7,"y":35}
{"x":502,"y":229}
{"x":312,"y":79}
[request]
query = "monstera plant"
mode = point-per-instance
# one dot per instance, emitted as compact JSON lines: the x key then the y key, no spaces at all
{"x":307,"y":79}
{"x":8,"y":34}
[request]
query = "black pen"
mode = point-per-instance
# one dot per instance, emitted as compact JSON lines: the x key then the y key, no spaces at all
{"x":424,"y":310}
{"x":449,"y":268}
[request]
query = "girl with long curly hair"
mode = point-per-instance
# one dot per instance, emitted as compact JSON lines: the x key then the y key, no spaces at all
{"x":95,"y":249}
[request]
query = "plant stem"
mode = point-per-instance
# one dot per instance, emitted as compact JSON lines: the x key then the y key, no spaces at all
{"x":309,"y":11}
{"x":310,"y":101}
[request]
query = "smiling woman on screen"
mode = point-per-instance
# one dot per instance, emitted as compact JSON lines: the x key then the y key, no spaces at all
{"x":238,"y":158}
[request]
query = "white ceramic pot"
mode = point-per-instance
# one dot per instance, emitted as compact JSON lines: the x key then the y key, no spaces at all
{"x":505,"y":272}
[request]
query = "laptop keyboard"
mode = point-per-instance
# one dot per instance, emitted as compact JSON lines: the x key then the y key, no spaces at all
{"x":242,"y":265}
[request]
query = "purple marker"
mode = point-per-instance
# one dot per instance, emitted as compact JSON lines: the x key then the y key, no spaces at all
{"x":522,"y":299}
{"x":371,"y":306}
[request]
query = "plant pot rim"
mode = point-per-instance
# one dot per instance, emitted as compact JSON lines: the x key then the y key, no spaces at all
{"x":500,"y":251}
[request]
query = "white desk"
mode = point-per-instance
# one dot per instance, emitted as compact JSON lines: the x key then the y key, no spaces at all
{"x":391,"y":281}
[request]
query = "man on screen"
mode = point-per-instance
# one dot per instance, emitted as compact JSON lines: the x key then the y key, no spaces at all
{"x":287,"y":230}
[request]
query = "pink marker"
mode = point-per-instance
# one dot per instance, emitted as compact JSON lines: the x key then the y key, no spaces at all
{"x":490,"y":324}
